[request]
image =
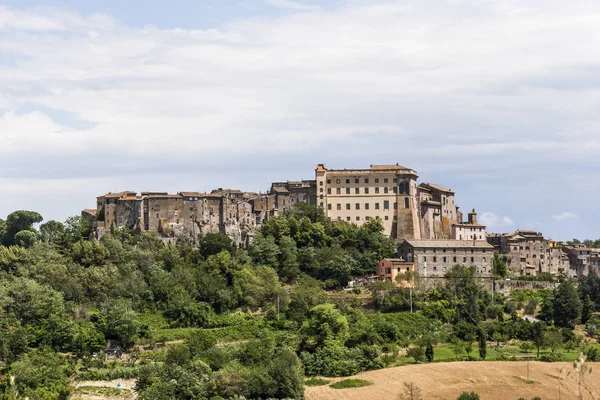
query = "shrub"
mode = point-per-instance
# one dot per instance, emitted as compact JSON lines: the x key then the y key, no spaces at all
{"x":468,"y":396}
{"x":350,"y":383}
{"x":316,"y":382}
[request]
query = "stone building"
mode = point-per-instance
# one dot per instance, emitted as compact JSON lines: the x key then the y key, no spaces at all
{"x":118,"y":210}
{"x":389,"y":268}
{"x":389,"y":193}
{"x":438,"y":211}
{"x":436,"y":257}
{"x":289,"y":193}
{"x":385,"y":192}
{"x":470,"y":230}
{"x":582,"y":258}
{"x":529,"y":253}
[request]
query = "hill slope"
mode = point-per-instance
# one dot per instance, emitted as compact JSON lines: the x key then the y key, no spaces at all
{"x":491,"y":380}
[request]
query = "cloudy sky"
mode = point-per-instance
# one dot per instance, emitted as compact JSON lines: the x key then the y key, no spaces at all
{"x":498,"y":100}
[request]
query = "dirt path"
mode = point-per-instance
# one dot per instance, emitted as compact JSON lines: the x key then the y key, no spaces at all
{"x":497,"y":380}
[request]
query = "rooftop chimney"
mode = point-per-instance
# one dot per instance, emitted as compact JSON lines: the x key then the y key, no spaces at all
{"x":473,"y":217}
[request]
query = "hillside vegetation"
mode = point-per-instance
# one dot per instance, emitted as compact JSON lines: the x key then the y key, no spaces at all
{"x":208,"y":320}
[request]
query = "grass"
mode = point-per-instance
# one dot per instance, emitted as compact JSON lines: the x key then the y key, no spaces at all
{"x":105,"y":391}
{"x":444,"y":353}
{"x":316,"y":382}
{"x":350,"y":383}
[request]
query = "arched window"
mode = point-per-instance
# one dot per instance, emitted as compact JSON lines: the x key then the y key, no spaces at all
{"x":406,"y":203}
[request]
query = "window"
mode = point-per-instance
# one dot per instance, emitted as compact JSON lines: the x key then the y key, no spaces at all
{"x":395,"y":206}
{"x":320,"y":190}
{"x":377,"y":206}
{"x":386,"y":217}
{"x":385,"y":189}
{"x":404,"y":187}
{"x":395,"y":180}
{"x":368,"y":218}
{"x":464,"y":259}
{"x":347,"y":206}
{"x":366,"y":206}
{"x":406,"y":205}
{"x":453,"y":259}
{"x":347,"y":190}
{"x":338,"y":191}
{"x":328,"y":181}
{"x":329,"y":206}
{"x":386,"y":204}
{"x":424,"y":258}
{"x":321,"y":196}
{"x":321,"y":204}
{"x":320,"y":183}
{"x":434,"y":259}
{"x":385,"y":180}
{"x":339,"y":206}
{"x":396,"y":189}
{"x":376,"y":190}
{"x":366,"y":180}
{"x":444,"y":259}
{"x":328,"y":190}
{"x":337,"y":181}
{"x":347,"y":218}
{"x":347,"y":180}
{"x":356,"y":191}
{"x":356,"y":180}
{"x":357,"y":206}
{"x":472,"y":259}
{"x":366,"y":190}
{"x":358,"y":218}
{"x":376,"y":180}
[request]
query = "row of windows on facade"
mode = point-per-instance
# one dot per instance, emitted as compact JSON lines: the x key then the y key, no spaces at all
{"x":454,"y":259}
{"x":454,"y":250}
{"x":365,"y":191}
{"x":357,"y":180}
{"x":349,"y":219}
{"x":386,"y":205}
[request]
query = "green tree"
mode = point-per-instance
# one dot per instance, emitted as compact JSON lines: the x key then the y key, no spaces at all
{"x":326,"y":323}
{"x":52,"y":231}
{"x":41,"y":374}
{"x":566,"y":305}
{"x":429,"y":351}
{"x":25,"y":238}
{"x":288,"y":375}
{"x":537,"y":336}
{"x":587,"y":309}
{"x":19,"y":221}
{"x":553,"y":339}
{"x":499,"y":268}
{"x":214,"y":243}
{"x":482,"y":344}
{"x":417,"y":353}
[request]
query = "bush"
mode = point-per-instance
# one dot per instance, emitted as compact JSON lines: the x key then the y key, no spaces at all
{"x":468,"y":396}
{"x":316,"y":382}
{"x":551,"y":357}
{"x":350,"y":383}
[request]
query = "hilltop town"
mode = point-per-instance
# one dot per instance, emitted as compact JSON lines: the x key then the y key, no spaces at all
{"x":423,"y":218}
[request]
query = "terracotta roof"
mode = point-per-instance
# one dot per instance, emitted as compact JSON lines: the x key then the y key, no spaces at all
{"x":280,"y":189}
{"x":91,"y":211}
{"x":467,"y":244}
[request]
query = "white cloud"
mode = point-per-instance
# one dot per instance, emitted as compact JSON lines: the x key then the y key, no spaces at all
{"x":431,"y":85}
{"x":565,"y":215}
{"x":292,"y":5}
{"x":492,"y":220}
